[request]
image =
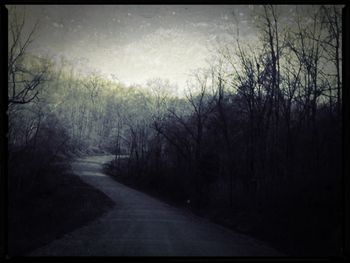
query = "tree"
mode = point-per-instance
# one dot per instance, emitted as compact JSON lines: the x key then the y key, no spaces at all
{"x":24,"y":81}
{"x":331,"y":43}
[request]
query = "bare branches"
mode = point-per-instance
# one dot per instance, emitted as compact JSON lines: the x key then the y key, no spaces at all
{"x":93,"y":85}
{"x":23,"y":82}
{"x":171,"y":138}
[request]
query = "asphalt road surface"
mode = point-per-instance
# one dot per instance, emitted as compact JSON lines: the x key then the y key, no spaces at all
{"x":140,"y":225}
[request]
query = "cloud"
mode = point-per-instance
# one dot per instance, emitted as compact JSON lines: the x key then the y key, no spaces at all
{"x":166,"y":53}
{"x":200,"y":24}
{"x":57,"y":25}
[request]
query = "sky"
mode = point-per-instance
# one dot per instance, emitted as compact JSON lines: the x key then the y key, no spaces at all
{"x":134,"y":43}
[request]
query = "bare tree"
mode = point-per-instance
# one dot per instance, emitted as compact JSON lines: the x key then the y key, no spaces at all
{"x":332,"y":46}
{"x":23,"y":82}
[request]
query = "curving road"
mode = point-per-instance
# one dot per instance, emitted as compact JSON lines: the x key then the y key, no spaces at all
{"x":140,"y":225}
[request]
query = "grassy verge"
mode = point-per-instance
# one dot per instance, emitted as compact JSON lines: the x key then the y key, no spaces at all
{"x":49,"y":213}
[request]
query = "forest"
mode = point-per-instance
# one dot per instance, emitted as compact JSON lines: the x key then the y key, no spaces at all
{"x":254,"y":143}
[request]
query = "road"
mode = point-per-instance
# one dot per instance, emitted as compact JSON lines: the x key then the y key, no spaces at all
{"x":140,"y":225}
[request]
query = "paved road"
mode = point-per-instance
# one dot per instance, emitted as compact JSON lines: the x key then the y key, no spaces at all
{"x":140,"y":225}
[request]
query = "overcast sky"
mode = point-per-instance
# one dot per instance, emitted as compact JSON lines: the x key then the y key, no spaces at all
{"x":134,"y":43}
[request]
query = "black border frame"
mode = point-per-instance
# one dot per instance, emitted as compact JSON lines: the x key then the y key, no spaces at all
{"x":345,"y":129}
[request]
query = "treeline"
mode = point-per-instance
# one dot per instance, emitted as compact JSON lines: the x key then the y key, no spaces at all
{"x":65,"y":115}
{"x":56,"y":112}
